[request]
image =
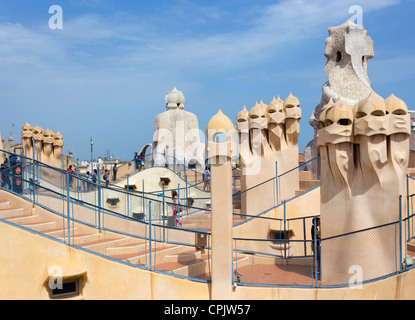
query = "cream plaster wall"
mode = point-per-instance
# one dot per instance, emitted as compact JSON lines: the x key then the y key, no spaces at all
{"x":26,"y":257}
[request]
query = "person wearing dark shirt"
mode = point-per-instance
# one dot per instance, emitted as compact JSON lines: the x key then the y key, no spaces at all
{"x":137,"y":161}
{"x":5,"y":176}
{"x":316,"y":237}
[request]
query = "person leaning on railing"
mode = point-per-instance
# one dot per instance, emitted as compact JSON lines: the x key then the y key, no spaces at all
{"x":5,"y":175}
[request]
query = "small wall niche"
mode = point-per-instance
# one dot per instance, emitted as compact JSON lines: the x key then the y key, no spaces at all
{"x":70,"y":288}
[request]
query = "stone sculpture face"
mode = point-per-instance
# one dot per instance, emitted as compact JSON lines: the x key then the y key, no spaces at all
{"x":27,"y":131}
{"x":292,"y":115}
{"x":38,"y":133}
{"x":242,"y":120}
{"x":322,"y":118}
{"x":257,"y":118}
{"x":371,"y":117}
{"x":58,"y":140}
{"x":339,"y":122}
{"x":399,"y":131}
{"x":48,"y":138}
{"x":399,"y":118}
{"x":276,"y":111}
{"x":38,"y":137}
{"x":27,"y":134}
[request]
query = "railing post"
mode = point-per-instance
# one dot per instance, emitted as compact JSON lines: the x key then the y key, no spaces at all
{"x":77,"y":177}
{"x":142,"y":203}
{"x":285,"y":231}
{"x":68,"y":197}
{"x":276,"y":182}
{"x":149,"y":233}
{"x":128,"y":195}
{"x":315,"y":250}
{"x":305,"y":237}
{"x":234,"y":180}
{"x":164,"y":216}
{"x":400,"y":235}
{"x":187,"y":197}
{"x":178,"y":206}
{"x":99,"y":199}
{"x":33,"y":172}
{"x":407,"y":207}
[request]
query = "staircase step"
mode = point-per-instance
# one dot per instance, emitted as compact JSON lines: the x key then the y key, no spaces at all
{"x":58,"y":232}
{"x":305,"y":175}
{"x":100,"y":242}
{"x":410,"y":246}
{"x":142,"y":257}
{"x":10,"y":212}
{"x":101,"y":245}
{"x":39,"y":226}
{"x":22,"y":219}
{"x":5,"y":205}
{"x":79,"y":239}
{"x":184,"y":256}
{"x":127,"y":248}
{"x":308,"y":184}
{"x":190,"y":268}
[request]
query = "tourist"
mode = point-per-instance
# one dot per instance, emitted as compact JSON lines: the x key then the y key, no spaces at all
{"x":206,"y":180}
{"x":106,"y":178}
{"x":88,"y":179}
{"x":137,"y":161}
{"x":314,"y":237}
{"x":142,"y":161}
{"x":176,"y":208}
{"x":94,"y":178}
{"x":5,"y":175}
{"x":70,"y":172}
{"x":114,"y":172}
{"x":207,"y":164}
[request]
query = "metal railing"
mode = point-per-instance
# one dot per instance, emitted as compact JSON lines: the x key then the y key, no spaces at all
{"x":76,"y":212}
{"x":78,"y":217}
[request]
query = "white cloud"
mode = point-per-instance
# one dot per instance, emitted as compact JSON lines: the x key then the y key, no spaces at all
{"x":124,"y":40}
{"x":122,"y":60}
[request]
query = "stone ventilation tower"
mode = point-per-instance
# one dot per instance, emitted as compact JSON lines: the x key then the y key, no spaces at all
{"x":47,"y":145}
{"x":348,"y":48}
{"x":220,"y":155}
{"x":176,"y":134}
{"x":363,"y":142}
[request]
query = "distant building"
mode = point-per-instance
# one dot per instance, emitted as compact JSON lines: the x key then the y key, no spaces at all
{"x":102,"y":163}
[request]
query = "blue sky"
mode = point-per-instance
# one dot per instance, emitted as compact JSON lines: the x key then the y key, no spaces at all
{"x":106,"y":73}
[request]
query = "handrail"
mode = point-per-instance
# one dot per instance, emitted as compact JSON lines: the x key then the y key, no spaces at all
{"x":65,"y":195}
